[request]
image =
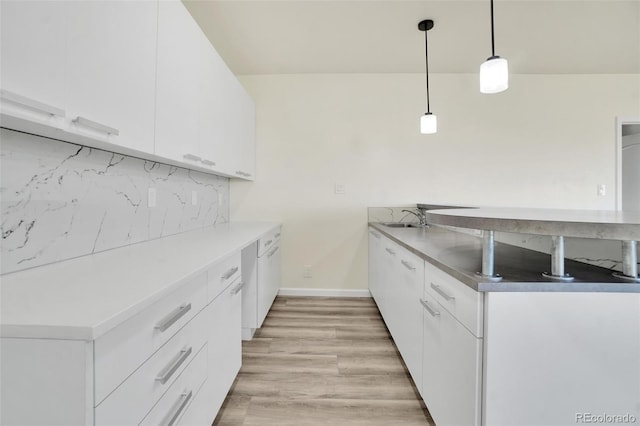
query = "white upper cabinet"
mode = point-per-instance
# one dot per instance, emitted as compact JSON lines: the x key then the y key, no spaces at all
{"x":178,"y":86}
{"x":111,"y":65}
{"x":135,"y":77}
{"x":32,"y":69}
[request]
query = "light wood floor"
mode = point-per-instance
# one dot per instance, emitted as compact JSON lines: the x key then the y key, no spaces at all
{"x":323,"y":361}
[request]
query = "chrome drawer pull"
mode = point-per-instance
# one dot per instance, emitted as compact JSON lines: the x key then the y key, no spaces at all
{"x":191,"y":157}
{"x":230,"y":273}
{"x":177,"y":409}
{"x":441,"y":292}
{"x":237,"y":288}
{"x":390,"y":251}
{"x":277,"y":235}
{"x":273,"y":251}
{"x":429,"y":309}
{"x":174,"y":316}
{"x":408,"y":265}
{"x":175,"y":363}
{"x":96,"y":126}
{"x":268,"y":243}
{"x":374,"y":234}
{"x":31,"y":103}
{"x":208,"y":162}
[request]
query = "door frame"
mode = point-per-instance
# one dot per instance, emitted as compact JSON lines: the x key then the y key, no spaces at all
{"x":620,"y":121}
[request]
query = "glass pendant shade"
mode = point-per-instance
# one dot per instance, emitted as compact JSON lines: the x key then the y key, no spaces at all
{"x":428,"y":124}
{"x":494,"y":75}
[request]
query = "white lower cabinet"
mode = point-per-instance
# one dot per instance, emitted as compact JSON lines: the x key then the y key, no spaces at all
{"x":172,"y":363}
{"x":452,"y":373}
{"x":261,"y":273}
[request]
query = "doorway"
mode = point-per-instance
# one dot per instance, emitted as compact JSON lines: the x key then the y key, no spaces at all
{"x":628,"y":163}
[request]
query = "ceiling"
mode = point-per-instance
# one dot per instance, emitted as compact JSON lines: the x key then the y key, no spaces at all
{"x":376,"y":36}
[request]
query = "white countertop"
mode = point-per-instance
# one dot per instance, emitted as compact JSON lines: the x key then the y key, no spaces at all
{"x":605,"y":224}
{"x":83,"y":298}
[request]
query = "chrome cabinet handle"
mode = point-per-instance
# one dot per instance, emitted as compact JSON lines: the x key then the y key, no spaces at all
{"x":208,"y":162}
{"x":174,"y":364}
{"x":408,"y":265}
{"x":237,"y":288}
{"x":241,"y":173}
{"x":441,"y":292}
{"x":390,"y":251}
{"x":31,"y":103}
{"x":192,"y":157}
{"x":375,"y":234}
{"x":173,"y":316}
{"x":230,"y":273}
{"x":429,"y":309}
{"x":82,"y":121}
{"x":176,"y":410}
{"x":275,"y":249}
{"x":268,"y":243}
{"x":277,"y":235}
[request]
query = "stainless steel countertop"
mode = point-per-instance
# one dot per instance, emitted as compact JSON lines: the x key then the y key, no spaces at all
{"x":602,"y":224}
{"x":460,"y":255}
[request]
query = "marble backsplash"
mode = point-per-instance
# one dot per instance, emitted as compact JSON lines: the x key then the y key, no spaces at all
{"x":61,"y":201}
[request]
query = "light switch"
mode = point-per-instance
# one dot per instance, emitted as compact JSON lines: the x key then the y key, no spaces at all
{"x":151,"y":197}
{"x":340,"y":189}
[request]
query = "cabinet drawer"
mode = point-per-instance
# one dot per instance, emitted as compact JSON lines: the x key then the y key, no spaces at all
{"x":123,"y":349}
{"x":176,"y":401}
{"x":223,"y":273}
{"x":132,"y":400}
{"x":268,"y":241}
{"x":464,"y":303}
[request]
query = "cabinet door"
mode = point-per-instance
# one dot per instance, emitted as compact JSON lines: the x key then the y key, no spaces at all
{"x":268,"y":281}
{"x":243,"y":132}
{"x":388,"y":295}
{"x":374,"y":264}
{"x":32,"y":37}
{"x":177,"y":88}
{"x":212,"y":109}
{"x":451,"y":368}
{"x":225,"y":345}
{"x":111,"y":68}
{"x":409,"y":285}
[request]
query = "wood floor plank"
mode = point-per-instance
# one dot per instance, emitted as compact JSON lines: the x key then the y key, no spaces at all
{"x":323,"y":361}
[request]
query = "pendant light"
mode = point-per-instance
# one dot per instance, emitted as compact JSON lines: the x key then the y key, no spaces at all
{"x":428,"y":122}
{"x":494,"y":72}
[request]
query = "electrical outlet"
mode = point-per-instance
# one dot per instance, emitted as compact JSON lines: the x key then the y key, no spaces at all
{"x":340,"y":189}
{"x":307,"y":271}
{"x":151,"y":197}
{"x":602,"y":190}
{"x":194,"y":198}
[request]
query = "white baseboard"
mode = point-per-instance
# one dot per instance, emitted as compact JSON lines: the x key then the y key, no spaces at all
{"x":324,"y":292}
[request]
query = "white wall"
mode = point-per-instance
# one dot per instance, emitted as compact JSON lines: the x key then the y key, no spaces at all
{"x":546,"y":142}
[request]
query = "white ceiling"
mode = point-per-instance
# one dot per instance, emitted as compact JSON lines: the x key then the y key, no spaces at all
{"x":375,"y":36}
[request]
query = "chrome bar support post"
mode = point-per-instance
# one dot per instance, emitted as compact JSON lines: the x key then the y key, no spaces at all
{"x":488,"y":257}
{"x":557,"y":260}
{"x":629,"y":262}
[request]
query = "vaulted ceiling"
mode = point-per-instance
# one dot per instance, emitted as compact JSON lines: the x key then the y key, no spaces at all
{"x":377,"y":36}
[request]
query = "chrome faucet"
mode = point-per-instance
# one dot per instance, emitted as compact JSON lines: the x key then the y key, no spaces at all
{"x":422,"y":217}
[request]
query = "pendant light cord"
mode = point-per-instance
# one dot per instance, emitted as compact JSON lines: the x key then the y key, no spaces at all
{"x":493,"y":44}
{"x":426,"y":56}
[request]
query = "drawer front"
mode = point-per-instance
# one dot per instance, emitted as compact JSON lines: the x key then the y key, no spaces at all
{"x":268,"y":241}
{"x":176,"y":401}
{"x":122,"y":350}
{"x":464,"y":303}
{"x":132,"y":400}
{"x":223,"y":273}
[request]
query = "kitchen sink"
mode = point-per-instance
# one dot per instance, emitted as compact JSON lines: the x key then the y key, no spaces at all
{"x":404,"y":225}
